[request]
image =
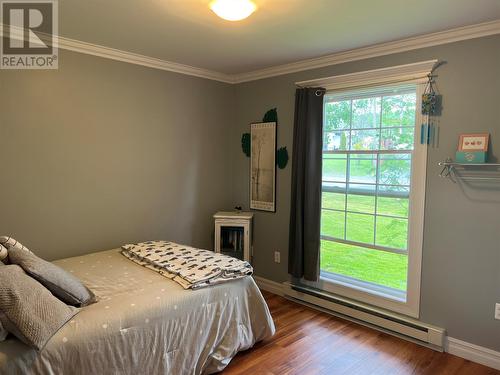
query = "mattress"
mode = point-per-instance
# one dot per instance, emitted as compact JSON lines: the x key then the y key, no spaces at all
{"x":145,"y":323}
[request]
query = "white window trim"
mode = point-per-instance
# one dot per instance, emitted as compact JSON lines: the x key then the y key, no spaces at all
{"x":411,"y":73}
{"x":383,"y":76}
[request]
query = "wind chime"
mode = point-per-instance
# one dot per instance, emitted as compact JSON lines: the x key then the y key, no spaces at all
{"x":431,"y":107}
{"x":429,"y":104}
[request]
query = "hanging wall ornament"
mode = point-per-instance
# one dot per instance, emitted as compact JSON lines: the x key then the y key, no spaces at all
{"x":431,"y":107}
{"x":271,"y":116}
{"x":428,"y":99}
{"x":282,"y":157}
{"x":245,"y":144}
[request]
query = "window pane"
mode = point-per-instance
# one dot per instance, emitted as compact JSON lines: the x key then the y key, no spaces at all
{"x":392,"y":232}
{"x":334,"y":141}
{"x":361,"y":203}
{"x":333,"y":200}
{"x":365,"y":140}
{"x":374,"y":266}
{"x":395,"y":169}
{"x":398,"y":138}
{"x":332,"y":223}
{"x":334,"y":167}
{"x":363,"y":169}
{"x":398,"y":110}
{"x":337,"y":115}
{"x":366,"y":113}
{"x":392,"y":206}
{"x":360,"y":228}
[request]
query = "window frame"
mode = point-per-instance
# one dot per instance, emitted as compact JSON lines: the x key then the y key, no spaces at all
{"x":375,"y":294}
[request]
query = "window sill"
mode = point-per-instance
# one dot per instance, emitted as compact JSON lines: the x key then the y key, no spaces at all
{"x":376,"y":295}
{"x":363,"y":286}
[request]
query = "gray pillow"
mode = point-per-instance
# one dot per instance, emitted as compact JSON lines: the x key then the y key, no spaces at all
{"x":3,"y":253}
{"x":12,"y":243}
{"x":62,"y":284}
{"x":28,"y":310}
{"x":3,"y":331}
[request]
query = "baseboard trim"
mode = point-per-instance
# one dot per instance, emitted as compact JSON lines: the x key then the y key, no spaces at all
{"x":463,"y":349}
{"x":269,"y":285}
{"x":472,"y":352}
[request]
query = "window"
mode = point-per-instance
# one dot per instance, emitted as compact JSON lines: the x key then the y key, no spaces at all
{"x":372,"y":195}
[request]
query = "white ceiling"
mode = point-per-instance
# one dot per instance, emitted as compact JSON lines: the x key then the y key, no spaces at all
{"x":279,"y":32}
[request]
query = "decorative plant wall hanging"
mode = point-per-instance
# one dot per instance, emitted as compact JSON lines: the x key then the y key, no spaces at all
{"x":245,"y":143}
{"x":271,"y":116}
{"x":282,"y":157}
{"x":281,"y":153}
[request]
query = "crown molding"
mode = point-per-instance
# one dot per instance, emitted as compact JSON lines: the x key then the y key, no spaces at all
{"x":137,"y":59}
{"x":124,"y":56}
{"x":408,"y":44}
{"x":422,"y":41}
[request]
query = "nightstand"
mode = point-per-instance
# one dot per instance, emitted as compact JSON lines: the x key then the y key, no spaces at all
{"x":233,"y":234}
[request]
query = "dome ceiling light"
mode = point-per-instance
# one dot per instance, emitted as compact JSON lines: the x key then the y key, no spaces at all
{"x":233,"y":10}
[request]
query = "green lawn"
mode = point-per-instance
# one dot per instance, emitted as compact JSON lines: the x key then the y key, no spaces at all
{"x":379,"y":267}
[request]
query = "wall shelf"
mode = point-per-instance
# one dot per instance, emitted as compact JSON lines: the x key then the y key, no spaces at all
{"x":469,"y":171}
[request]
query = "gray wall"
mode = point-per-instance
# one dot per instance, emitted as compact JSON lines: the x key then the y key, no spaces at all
{"x":461,"y":258}
{"x":100,"y":153}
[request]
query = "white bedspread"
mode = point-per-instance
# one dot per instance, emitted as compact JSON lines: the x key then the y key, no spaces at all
{"x":145,"y":323}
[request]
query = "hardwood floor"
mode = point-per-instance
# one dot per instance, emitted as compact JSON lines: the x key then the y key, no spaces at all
{"x":311,"y":342}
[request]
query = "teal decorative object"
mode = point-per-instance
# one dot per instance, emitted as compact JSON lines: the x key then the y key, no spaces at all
{"x":282,"y":157}
{"x":471,"y":156}
{"x":245,"y":143}
{"x":271,"y":116}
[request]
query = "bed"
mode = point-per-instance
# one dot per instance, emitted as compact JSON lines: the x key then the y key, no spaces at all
{"x":145,"y":323}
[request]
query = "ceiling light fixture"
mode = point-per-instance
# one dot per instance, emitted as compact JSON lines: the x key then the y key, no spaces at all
{"x":233,"y":10}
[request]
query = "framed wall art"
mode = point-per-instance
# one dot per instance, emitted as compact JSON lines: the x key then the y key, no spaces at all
{"x":473,"y":142}
{"x":263,"y":166}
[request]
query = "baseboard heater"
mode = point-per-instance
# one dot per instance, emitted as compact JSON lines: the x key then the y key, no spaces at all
{"x":398,"y":325}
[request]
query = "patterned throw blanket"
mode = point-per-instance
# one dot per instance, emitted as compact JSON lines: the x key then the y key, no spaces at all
{"x":192,"y":268}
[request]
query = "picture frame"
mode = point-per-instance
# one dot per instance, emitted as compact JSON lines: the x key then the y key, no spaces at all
{"x":473,"y":142}
{"x":263,"y":166}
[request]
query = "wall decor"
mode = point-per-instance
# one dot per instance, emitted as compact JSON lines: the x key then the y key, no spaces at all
{"x":263,"y":166}
{"x":472,"y":148}
{"x":473,"y":142}
{"x":245,"y":144}
{"x":271,"y":116}
{"x":282,"y":157}
{"x":431,"y":106}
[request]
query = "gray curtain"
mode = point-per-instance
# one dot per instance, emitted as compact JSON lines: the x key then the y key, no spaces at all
{"x":305,"y":208}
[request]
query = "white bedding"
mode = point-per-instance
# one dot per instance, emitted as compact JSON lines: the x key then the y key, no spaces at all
{"x":190,"y":267}
{"x":145,"y":323}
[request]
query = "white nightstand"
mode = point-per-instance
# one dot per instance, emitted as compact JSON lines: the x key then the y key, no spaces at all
{"x":233,"y":234}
